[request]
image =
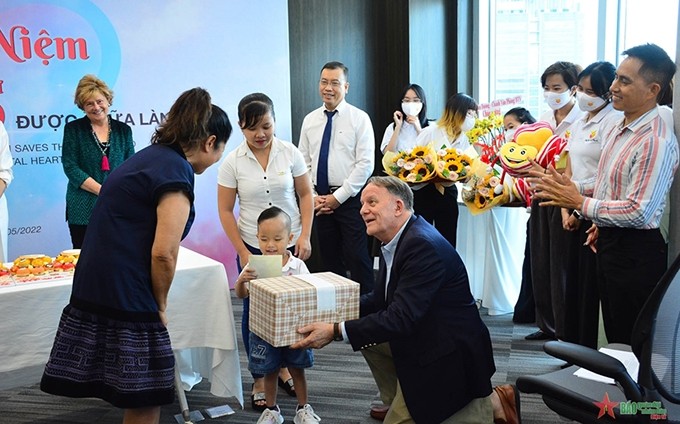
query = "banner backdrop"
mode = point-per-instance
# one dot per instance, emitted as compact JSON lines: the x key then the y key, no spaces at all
{"x":148,"y":52}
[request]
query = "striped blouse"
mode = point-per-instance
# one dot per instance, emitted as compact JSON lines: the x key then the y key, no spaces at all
{"x":634,"y":174}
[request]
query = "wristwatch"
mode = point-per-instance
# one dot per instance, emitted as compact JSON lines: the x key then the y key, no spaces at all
{"x":337,"y":334}
{"x":576,"y":214}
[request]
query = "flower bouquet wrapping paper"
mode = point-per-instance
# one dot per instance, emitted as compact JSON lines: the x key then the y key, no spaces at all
{"x":428,"y":164}
{"x":412,"y":166}
{"x":485,"y":189}
{"x":281,"y":305}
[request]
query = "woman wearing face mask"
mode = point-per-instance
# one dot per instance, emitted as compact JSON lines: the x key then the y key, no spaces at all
{"x":548,"y":239}
{"x":584,"y":146}
{"x":513,"y":119}
{"x":436,"y":203}
{"x":524,"y":312}
{"x":409,"y":121}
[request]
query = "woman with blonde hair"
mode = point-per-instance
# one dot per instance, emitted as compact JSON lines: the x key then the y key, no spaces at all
{"x":93,"y":146}
{"x":440,"y":202}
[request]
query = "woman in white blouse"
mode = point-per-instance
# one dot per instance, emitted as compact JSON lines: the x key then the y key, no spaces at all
{"x":436,"y":203}
{"x":262,"y":172}
{"x":585,"y":146}
{"x":408,"y":121}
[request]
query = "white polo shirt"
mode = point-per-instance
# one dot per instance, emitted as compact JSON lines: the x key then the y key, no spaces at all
{"x":258,"y":189}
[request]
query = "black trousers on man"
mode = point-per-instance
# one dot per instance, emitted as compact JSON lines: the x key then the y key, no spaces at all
{"x":630,"y":263}
{"x":343,"y":243}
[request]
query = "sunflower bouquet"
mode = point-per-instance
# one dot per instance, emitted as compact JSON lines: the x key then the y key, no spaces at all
{"x":485,"y":189}
{"x":487,"y":136}
{"x":452,"y":165}
{"x":412,"y":166}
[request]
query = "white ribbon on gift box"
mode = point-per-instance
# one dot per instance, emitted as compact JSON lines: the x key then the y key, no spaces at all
{"x":325,"y":292}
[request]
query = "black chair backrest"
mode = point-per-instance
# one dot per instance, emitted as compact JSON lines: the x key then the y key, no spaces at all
{"x":656,"y":339}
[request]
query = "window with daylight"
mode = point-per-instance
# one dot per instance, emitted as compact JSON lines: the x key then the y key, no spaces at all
{"x":518,"y":39}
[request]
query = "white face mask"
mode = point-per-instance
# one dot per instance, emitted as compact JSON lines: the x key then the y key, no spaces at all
{"x":412,"y":108}
{"x":468,"y":124}
{"x":509,"y":135}
{"x":557,"y":100}
{"x":588,"y":103}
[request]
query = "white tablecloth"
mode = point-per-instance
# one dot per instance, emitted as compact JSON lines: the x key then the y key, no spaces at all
{"x":201,"y":327}
{"x":491,"y":245}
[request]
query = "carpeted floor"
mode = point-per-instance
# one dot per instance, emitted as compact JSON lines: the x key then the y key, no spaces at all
{"x":340,"y":386}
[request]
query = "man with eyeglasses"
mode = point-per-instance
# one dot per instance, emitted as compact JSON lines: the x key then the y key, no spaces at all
{"x":338,"y":144}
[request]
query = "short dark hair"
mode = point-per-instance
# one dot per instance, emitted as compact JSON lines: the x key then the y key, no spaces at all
{"x":656,"y":67}
{"x":601,"y":76}
{"x":422,"y":116}
{"x":337,"y":65}
{"x":396,"y":187}
{"x":522,"y":115}
{"x":274,"y":212}
{"x":567,"y":70}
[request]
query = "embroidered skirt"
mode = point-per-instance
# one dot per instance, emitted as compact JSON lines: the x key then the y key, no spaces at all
{"x":128,"y":364}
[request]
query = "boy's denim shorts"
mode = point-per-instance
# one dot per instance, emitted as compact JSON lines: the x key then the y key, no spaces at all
{"x":266,"y":359}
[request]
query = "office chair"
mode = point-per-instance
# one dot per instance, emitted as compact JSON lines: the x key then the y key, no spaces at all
{"x":655,"y":343}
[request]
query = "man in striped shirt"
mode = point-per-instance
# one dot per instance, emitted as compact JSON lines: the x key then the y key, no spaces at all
{"x":626,"y":198}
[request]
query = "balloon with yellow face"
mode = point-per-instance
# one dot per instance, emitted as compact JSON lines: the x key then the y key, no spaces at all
{"x":515,"y":158}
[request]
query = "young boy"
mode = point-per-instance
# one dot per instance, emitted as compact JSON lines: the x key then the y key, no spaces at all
{"x":274,"y":235}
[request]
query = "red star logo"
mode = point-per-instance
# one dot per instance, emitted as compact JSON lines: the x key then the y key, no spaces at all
{"x":606,"y":406}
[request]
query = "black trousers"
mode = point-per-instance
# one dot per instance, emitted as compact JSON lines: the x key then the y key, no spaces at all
{"x":550,"y":252}
{"x":343,"y":243}
{"x":440,"y":210}
{"x":582,"y":309}
{"x":630,"y":263}
{"x":525,"y":308}
{"x":77,"y":235}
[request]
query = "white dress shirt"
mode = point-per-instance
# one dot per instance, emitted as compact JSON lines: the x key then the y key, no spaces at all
{"x":351,"y":154}
{"x":258,"y":189}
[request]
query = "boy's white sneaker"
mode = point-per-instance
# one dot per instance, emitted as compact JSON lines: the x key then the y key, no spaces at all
{"x":270,"y":416}
{"x":306,"y":415}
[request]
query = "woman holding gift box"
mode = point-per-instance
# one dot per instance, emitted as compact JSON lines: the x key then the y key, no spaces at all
{"x":263,"y":172}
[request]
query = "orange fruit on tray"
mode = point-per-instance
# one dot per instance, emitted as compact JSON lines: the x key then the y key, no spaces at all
{"x":31,"y":265}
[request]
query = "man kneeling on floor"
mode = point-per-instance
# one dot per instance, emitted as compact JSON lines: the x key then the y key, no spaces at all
{"x":420,"y":330}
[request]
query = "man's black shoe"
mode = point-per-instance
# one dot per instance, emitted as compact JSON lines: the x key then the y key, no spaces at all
{"x":539,"y":335}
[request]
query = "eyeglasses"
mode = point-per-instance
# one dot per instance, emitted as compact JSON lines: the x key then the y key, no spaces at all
{"x":334,"y":83}
{"x":472,"y":114}
{"x":413,"y":100}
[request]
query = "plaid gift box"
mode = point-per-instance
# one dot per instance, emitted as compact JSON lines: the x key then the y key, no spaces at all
{"x":281,"y":305}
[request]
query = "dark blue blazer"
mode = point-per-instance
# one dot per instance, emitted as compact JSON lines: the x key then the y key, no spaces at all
{"x":441,"y":348}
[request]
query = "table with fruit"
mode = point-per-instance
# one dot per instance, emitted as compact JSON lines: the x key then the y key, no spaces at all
{"x":39,"y":268}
